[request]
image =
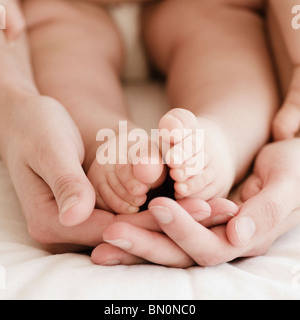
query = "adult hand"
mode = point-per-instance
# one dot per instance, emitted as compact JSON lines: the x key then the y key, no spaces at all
{"x":269,"y":198}
{"x":41,"y":147}
{"x":269,"y":206}
{"x":130,"y":244}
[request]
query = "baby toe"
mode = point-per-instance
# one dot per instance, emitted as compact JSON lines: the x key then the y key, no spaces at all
{"x":113,"y":201}
{"x":128,"y":180}
{"x":122,"y":192}
{"x":195,"y":184}
{"x":177,"y":124}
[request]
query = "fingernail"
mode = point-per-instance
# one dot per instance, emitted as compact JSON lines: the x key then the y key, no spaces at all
{"x":120,"y":243}
{"x":221,"y":218}
{"x":162,"y":214}
{"x":200,"y":215}
{"x":245,"y":228}
{"x":111,"y":263}
{"x":69,"y":203}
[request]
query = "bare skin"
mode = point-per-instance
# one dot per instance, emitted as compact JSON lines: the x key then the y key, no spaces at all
{"x":101,"y":103}
{"x":226,"y":122}
{"x":46,"y":227}
{"x":218,"y":69}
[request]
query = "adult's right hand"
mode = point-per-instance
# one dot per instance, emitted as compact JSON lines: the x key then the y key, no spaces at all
{"x":42,"y":148}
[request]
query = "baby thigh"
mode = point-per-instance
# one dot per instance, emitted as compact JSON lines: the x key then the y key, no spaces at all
{"x":77,"y":57}
{"x":72,"y":34}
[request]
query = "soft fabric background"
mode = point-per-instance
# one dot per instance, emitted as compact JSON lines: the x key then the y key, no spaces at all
{"x":28,"y":272}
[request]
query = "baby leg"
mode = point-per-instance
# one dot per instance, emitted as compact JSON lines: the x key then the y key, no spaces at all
{"x":77,"y":58}
{"x":215,"y":56}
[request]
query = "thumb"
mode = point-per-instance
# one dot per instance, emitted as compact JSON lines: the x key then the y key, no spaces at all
{"x":261,"y":213}
{"x":73,"y":192}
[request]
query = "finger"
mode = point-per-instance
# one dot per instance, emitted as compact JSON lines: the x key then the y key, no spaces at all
{"x":73,"y":192}
{"x":261,"y":213}
{"x":108,"y":255}
{"x":197,"y":208}
{"x":40,"y":208}
{"x":151,"y":246}
{"x":206,"y":247}
{"x":251,"y":187}
{"x":287,"y":122}
{"x":57,"y":160}
{"x":41,"y":214}
{"x":222,"y":211}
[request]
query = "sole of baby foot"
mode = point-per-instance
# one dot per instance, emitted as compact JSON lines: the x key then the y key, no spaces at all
{"x":201,"y":161}
{"x":122,"y":187}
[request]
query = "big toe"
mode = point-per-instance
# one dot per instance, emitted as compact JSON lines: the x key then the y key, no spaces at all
{"x":149,"y":168}
{"x":179,"y":123}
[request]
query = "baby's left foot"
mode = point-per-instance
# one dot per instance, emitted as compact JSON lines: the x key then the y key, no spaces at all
{"x":201,"y":159}
{"x":122,"y":183}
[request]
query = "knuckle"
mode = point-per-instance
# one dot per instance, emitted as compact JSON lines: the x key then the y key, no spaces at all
{"x":63,"y":183}
{"x":260,"y":249}
{"x":210,"y":259}
{"x":272,"y":211}
{"x":182,"y":237}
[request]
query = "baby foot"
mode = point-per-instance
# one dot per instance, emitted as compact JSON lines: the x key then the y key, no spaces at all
{"x":122,"y":184}
{"x":200,"y":156}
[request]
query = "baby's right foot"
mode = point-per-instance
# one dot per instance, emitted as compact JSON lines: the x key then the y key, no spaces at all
{"x":201,"y":162}
{"x":122,"y":187}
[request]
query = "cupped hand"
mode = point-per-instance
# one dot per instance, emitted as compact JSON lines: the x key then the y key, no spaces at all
{"x":268,"y":207}
{"x":184,"y":241}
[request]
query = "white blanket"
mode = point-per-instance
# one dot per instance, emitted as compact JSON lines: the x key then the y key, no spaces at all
{"x":28,"y":272}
